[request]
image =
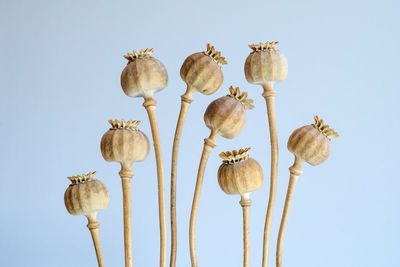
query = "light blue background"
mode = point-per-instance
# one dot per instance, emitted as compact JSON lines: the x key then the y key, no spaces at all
{"x":60,"y":67}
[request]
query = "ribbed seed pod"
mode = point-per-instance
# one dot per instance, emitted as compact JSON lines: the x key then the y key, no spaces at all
{"x":265,"y":64}
{"x":86,"y":195}
{"x":144,"y":75}
{"x":312,"y":142}
{"x":124,"y":142}
{"x":227,"y":115}
{"x":239,"y":174}
{"x":202,"y":71}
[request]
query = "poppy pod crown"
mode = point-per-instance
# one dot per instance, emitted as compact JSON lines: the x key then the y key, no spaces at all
{"x":144,"y":75}
{"x":312,"y":142}
{"x":238,"y":173}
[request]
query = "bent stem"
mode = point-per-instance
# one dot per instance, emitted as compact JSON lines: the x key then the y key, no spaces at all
{"x":209,"y":144}
{"x":150,"y":105}
{"x":295,"y":171}
{"x":93,"y":226}
{"x":185,"y":103}
{"x":269,"y":95}
{"x":126,"y":175}
{"x":245,"y":202}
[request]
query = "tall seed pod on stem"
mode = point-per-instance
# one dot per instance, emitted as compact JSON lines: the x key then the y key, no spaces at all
{"x":143,"y":76}
{"x":240,"y":175}
{"x":310,"y":143}
{"x":201,"y":72}
{"x":86,"y":196}
{"x":225,"y":116}
{"x":265,"y":66}
{"x":125,"y":143}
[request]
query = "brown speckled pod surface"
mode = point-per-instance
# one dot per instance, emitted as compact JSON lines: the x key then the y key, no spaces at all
{"x":312,"y":142}
{"x":124,"y":142}
{"x":265,"y":64}
{"x":202,"y":70}
{"x":86,"y":195}
{"x":239,"y":174}
{"x":144,"y":75}
{"x":227,"y":115}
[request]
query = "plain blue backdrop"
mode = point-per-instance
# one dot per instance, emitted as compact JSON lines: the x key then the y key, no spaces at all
{"x":60,"y":65}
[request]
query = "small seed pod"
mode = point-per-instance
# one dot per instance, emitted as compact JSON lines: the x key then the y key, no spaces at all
{"x":312,"y":142}
{"x":86,"y":195}
{"x":144,"y":75}
{"x":124,"y":142}
{"x":238,"y":173}
{"x":227,"y":115}
{"x":266,"y":64}
{"x":202,"y":71}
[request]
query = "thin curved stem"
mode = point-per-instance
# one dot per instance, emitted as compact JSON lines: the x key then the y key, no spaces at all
{"x":185,"y":103}
{"x":93,"y":226}
{"x":295,"y":172}
{"x":126,"y":175}
{"x":269,"y":95}
{"x":150,"y":105}
{"x":209,"y":143}
{"x":245,"y":202}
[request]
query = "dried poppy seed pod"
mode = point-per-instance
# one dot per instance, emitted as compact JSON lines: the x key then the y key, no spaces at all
{"x":239,"y":174}
{"x":266,"y":64}
{"x":124,"y":142}
{"x":86,"y":195}
{"x":144,"y":75}
{"x":227,"y":115}
{"x":312,"y":142}
{"x":202,"y":71}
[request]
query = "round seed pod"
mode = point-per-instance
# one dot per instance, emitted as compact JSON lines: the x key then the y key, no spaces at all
{"x":124,"y":142}
{"x":202,"y":70}
{"x":86,"y":195}
{"x":144,"y":75}
{"x":312,"y":142}
{"x":227,"y":115}
{"x":265,"y":64}
{"x":238,"y":173}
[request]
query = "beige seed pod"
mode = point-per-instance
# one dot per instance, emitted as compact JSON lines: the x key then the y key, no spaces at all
{"x":86,"y":195}
{"x":144,"y":75}
{"x":124,"y":142}
{"x":227,"y":115}
{"x":239,"y":174}
{"x":266,"y":64}
{"x":202,"y":71}
{"x":312,"y":142}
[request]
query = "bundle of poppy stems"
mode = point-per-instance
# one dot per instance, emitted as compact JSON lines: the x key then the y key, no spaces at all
{"x":238,"y":174}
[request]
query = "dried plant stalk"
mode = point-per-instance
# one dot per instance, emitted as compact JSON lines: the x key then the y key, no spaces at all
{"x":150,"y":105}
{"x":245,"y":202}
{"x":269,"y":95}
{"x":93,"y":226}
{"x":295,"y":172}
{"x":209,"y":144}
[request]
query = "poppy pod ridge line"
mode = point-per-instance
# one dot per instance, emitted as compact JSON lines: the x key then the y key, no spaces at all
{"x":266,"y":65}
{"x":143,"y":76}
{"x":126,"y":144}
{"x":310,"y":143}
{"x":239,"y":175}
{"x":86,"y":196}
{"x":225,"y":116}
{"x":201,"y":72}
